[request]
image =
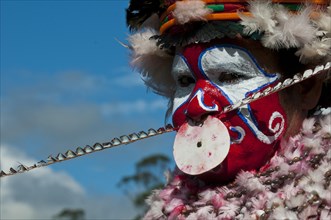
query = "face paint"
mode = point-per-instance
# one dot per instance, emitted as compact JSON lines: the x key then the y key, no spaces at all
{"x":212,"y":77}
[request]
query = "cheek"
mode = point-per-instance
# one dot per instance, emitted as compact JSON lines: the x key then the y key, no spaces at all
{"x":258,"y":138}
{"x":259,"y":143}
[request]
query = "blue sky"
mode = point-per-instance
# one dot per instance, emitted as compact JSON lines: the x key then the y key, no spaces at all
{"x":66,"y":82}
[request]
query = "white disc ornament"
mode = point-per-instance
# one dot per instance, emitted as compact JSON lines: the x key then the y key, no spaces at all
{"x":200,"y":148}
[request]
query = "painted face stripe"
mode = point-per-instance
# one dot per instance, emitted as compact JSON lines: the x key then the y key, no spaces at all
{"x":199,"y":95}
{"x":192,"y":55}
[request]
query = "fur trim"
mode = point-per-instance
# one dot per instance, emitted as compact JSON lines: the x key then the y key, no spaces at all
{"x":192,"y":10}
{"x":153,"y":63}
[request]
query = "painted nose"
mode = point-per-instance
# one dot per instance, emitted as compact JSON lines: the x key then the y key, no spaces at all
{"x":201,"y":105}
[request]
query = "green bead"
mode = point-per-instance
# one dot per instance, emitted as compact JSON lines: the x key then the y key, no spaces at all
{"x":216,"y":8}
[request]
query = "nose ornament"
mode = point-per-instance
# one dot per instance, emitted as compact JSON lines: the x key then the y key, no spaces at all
{"x":198,"y":149}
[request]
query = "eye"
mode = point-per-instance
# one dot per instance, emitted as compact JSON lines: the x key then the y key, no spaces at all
{"x":185,"y":81}
{"x":225,"y":77}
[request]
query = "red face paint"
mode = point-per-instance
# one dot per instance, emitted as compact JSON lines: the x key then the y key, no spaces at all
{"x":211,"y":77}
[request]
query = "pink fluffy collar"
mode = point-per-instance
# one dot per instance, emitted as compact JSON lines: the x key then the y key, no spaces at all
{"x":295,"y":184}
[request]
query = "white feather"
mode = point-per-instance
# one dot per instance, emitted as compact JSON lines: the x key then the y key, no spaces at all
{"x":283,"y":29}
{"x":155,"y":211}
{"x":153,"y":63}
{"x":291,"y":30}
{"x":228,"y":211}
{"x":282,"y":213}
{"x":173,"y":204}
{"x":324,"y":21}
{"x":249,"y":181}
{"x":299,"y":28}
{"x":308,"y":126}
{"x":192,"y":10}
{"x":295,"y":201}
{"x":263,"y":13}
{"x":204,"y":212}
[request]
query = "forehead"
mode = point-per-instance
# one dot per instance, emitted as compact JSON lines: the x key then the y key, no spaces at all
{"x":246,"y":48}
{"x":217,"y":58}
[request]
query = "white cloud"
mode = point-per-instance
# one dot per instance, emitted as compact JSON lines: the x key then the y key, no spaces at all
{"x":37,"y":194}
{"x":126,"y":77}
{"x":42,"y":193}
{"x":138,"y":106}
{"x":51,"y":114}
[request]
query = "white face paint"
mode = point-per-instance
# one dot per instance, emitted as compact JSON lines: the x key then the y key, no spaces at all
{"x":218,"y":64}
{"x":234,"y":71}
{"x":181,"y":72}
{"x":208,"y":79}
{"x":221,"y":63}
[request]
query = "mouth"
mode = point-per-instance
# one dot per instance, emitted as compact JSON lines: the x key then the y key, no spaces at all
{"x":202,"y":147}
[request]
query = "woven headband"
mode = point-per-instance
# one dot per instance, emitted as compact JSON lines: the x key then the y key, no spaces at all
{"x":228,"y":10}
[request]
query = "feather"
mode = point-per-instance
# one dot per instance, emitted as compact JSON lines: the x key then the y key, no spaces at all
{"x":291,"y":30}
{"x":307,"y":126}
{"x":283,"y":29}
{"x":153,"y":197}
{"x":262,"y":19}
{"x":156,"y":211}
{"x":309,"y":213}
{"x":282,"y":213}
{"x":207,"y":195}
{"x":174,"y":203}
{"x":259,"y":201}
{"x":325,"y":123}
{"x":153,"y":63}
{"x":295,"y":201}
{"x":249,"y":181}
{"x":204,"y":212}
{"x":316,"y":175}
{"x":325,"y":214}
{"x":193,"y":10}
{"x":229,"y":210}
{"x":324,"y":21}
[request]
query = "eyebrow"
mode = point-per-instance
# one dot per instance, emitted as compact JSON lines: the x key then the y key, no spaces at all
{"x":222,"y":59}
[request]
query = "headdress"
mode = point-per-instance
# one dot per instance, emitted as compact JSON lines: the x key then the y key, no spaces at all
{"x":160,"y":26}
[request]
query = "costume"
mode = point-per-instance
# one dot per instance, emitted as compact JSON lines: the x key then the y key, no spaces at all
{"x":207,"y":55}
{"x":295,"y":184}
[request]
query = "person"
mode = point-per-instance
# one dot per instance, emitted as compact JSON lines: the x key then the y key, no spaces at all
{"x":265,"y":159}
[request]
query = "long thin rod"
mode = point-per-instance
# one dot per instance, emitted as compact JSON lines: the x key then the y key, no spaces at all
{"x":127,"y":139}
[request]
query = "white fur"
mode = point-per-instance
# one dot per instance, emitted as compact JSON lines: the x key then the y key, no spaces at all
{"x":152,"y":62}
{"x":192,"y":10}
